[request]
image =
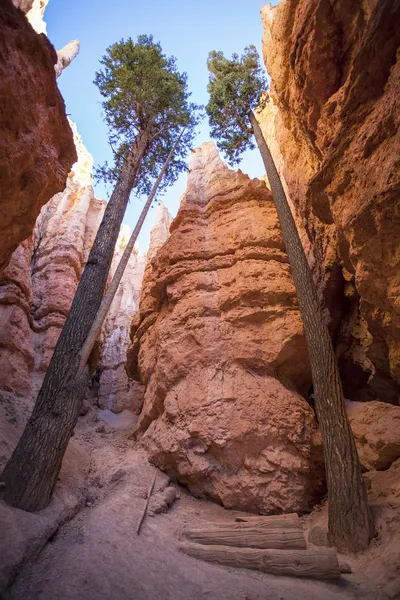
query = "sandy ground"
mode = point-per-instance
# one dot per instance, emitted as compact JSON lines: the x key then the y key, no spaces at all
{"x":99,"y":556}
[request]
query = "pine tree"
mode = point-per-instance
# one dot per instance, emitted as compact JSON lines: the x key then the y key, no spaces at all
{"x":236,"y":88}
{"x":146,"y":105}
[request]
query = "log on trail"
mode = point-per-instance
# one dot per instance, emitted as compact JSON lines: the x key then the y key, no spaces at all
{"x":289,"y":520}
{"x":249,"y":535}
{"x":316,"y":564}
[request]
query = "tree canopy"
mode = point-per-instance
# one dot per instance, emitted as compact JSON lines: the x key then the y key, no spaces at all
{"x":143,"y":89}
{"x":235,"y":87}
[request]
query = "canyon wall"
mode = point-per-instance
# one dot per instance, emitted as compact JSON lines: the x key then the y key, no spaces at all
{"x":218,"y":343}
{"x":38,"y":285}
{"x":333,"y":126}
{"x":36,"y":141}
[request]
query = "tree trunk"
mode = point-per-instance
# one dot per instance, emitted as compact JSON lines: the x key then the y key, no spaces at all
{"x":317,"y":564}
{"x":112,"y":289}
{"x":254,"y":536}
{"x":350,"y":522}
{"x":32,"y":471}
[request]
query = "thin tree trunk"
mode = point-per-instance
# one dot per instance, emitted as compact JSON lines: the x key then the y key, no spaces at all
{"x":32,"y":471}
{"x":350,"y":522}
{"x":112,"y":289}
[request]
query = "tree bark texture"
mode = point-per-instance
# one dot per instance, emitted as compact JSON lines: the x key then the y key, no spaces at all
{"x":32,"y":471}
{"x":317,"y":564}
{"x":350,"y":522}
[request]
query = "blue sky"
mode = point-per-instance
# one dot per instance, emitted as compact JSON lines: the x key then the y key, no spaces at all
{"x":185,"y":29}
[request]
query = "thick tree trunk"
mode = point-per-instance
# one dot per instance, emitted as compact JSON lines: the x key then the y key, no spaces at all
{"x":32,"y":471}
{"x":317,"y":564}
{"x":112,"y":288}
{"x":350,"y":522}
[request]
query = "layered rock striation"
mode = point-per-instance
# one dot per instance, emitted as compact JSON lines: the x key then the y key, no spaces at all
{"x":218,"y":343}
{"x":36,"y":141}
{"x":333,"y":128}
{"x":37,"y":287}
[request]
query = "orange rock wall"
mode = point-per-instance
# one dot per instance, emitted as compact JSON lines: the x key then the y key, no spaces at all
{"x":218,"y":343}
{"x":333,"y":127}
{"x":36,"y":142}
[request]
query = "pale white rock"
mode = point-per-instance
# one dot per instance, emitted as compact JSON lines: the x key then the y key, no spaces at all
{"x":66,"y":55}
{"x":376,"y":429}
{"x":35,"y":16}
{"x":160,"y":231}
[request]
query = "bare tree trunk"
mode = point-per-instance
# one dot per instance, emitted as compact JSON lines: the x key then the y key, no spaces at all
{"x":350,"y":522}
{"x":112,"y":289}
{"x":32,"y":471}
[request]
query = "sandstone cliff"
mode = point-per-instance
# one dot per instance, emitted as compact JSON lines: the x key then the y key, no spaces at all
{"x":333,"y":128}
{"x":221,"y":351}
{"x":36,"y":142}
{"x":37,"y":287}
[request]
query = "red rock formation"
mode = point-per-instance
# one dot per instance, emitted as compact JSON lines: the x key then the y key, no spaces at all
{"x":36,"y":143}
{"x":335,"y":121}
{"x":220,"y":348}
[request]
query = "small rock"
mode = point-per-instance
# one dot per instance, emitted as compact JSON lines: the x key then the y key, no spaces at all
{"x":100,"y":429}
{"x":170,"y":495}
{"x":89,"y":504}
{"x":117,"y":475}
{"x":345,"y":568}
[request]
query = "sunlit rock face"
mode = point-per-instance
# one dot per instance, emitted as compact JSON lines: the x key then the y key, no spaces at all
{"x":334,"y":131}
{"x":218,"y":343}
{"x":36,"y":141}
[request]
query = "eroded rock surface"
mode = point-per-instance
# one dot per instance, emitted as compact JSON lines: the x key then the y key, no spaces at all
{"x":36,"y":141}
{"x":334,"y":131}
{"x":376,"y":428}
{"x":37,"y":287}
{"x":220,"y":348}
{"x":116,"y":391}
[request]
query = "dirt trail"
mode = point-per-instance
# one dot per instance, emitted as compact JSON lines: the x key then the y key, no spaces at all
{"x":98,"y":556}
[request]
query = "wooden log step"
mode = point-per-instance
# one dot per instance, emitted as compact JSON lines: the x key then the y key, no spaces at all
{"x":289,"y":520}
{"x":248,"y":535}
{"x":320,"y":564}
